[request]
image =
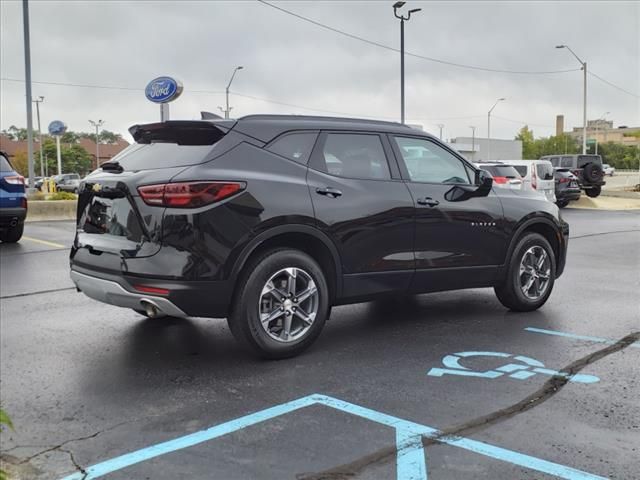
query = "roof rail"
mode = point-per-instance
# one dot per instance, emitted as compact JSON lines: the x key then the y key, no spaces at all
{"x":314,"y":118}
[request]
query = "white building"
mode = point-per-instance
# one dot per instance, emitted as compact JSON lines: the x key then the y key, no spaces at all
{"x":477,"y":149}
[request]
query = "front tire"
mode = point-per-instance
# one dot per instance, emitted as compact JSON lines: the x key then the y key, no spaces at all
{"x":281,"y":304}
{"x":530,"y":275}
{"x":13,"y":234}
{"x":593,"y":192}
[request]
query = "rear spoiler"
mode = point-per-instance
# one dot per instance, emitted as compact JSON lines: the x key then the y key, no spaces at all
{"x":182,"y":132}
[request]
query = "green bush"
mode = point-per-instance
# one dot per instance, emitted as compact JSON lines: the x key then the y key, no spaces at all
{"x":62,"y":196}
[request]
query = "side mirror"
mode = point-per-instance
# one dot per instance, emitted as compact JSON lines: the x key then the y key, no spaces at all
{"x":482,"y":188}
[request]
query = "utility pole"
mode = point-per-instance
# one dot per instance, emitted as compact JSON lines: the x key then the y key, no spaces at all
{"x":489,"y":127}
{"x":473,"y":141}
{"x":38,"y":101}
{"x":584,"y":99}
{"x":440,"y":126}
{"x":97,"y":125}
{"x":402,"y":18}
{"x":27,"y":77}
{"x":227,"y":110}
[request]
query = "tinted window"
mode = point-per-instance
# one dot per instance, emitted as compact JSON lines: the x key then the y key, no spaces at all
{"x":430,"y":163}
{"x":544,"y":171}
{"x":5,"y":166}
{"x":294,"y":146}
{"x":506,"y":171}
{"x":567,"y":162}
{"x":161,"y":155}
{"x":521,"y":169}
{"x":355,"y":156}
{"x":584,"y":159}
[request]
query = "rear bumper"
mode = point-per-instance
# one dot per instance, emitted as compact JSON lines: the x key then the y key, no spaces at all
{"x":567,"y":195}
{"x":185,"y":298}
{"x":10,"y":217}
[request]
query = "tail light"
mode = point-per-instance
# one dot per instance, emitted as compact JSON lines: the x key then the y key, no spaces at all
{"x":23,"y":203}
{"x":564,"y":180}
{"x":149,"y":289}
{"x":188,"y":194}
{"x":534,"y":178}
{"x":15,"y":180}
{"x":500,"y":180}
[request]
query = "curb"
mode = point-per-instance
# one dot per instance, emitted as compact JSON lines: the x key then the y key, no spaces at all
{"x":620,"y":194}
{"x":46,"y":210}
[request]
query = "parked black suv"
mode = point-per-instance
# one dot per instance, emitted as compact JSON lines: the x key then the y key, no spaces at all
{"x":271,"y":220}
{"x":588,"y":169}
{"x":567,"y":187}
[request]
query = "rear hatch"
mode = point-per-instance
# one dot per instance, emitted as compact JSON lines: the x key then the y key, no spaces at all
{"x":11,"y":186}
{"x":113,"y":223}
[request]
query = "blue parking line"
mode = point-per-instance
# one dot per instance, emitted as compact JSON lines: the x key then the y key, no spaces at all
{"x":577,"y":337}
{"x":410,"y":457}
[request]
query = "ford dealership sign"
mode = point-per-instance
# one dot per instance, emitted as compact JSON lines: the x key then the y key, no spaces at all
{"x":57,"y":128}
{"x":163,"y":90}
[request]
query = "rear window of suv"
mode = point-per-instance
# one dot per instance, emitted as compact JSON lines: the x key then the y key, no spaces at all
{"x":584,"y":159}
{"x":521,"y":169}
{"x":544,"y":171}
{"x":506,"y":171}
{"x":5,"y":166}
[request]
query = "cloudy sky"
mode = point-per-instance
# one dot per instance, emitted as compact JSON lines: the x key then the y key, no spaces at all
{"x":293,"y":66}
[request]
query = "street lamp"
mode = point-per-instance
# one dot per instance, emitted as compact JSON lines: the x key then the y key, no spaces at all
{"x":473,"y":141}
{"x":584,"y":106}
{"x":489,"y":126}
{"x":402,"y":18}
{"x":597,"y":128}
{"x":440,"y":126}
{"x":228,"y":109}
{"x":97,"y":125}
{"x":38,"y":101}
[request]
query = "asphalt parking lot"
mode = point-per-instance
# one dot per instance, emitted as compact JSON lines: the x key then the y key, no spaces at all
{"x":447,"y":385}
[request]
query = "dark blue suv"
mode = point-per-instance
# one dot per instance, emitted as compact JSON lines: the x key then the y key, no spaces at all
{"x":13,"y":202}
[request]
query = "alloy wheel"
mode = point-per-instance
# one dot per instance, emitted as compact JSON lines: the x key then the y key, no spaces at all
{"x":535,"y":272}
{"x":288,"y":304}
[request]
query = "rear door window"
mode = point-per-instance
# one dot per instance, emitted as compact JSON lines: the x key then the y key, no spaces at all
{"x":544,"y":171}
{"x":294,"y":146}
{"x":567,"y":162}
{"x":354,"y":155}
{"x":5,"y":166}
{"x":555,"y":161}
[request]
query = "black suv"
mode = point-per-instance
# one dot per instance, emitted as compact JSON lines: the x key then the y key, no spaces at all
{"x":271,"y":220}
{"x":588,"y":169}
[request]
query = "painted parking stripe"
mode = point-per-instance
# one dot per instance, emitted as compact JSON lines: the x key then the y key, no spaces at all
{"x":44,"y":242}
{"x":410,"y":456}
{"x":577,"y":337}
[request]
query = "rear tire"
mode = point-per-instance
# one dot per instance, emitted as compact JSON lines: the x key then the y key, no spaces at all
{"x":562,"y":203}
{"x":263,"y":285}
{"x":593,"y":192}
{"x":525,"y":259}
{"x":13,"y":234}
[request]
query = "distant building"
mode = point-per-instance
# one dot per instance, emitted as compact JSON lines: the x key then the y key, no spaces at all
{"x":602,"y":131}
{"x":476,"y":150}
{"x":107,"y":150}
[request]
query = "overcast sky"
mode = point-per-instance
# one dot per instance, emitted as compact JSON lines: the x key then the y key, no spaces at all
{"x":287,"y":60}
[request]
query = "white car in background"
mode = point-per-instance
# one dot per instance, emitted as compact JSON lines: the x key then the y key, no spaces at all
{"x":608,"y":169}
{"x":504,"y":175}
{"x":537,"y":175}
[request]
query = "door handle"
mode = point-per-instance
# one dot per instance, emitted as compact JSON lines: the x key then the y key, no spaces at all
{"x":329,"y":192}
{"x":428,"y":201}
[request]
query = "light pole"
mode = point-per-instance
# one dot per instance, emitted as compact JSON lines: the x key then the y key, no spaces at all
{"x":402,"y":18}
{"x":441,"y":126}
{"x":597,"y":128}
{"x":38,"y":101}
{"x":489,"y":127}
{"x":584,"y":102}
{"x":27,"y":78}
{"x":473,"y":141}
{"x":228,"y":109}
{"x":97,"y":125}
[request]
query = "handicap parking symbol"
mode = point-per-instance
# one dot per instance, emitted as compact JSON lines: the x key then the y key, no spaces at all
{"x":525,"y":368}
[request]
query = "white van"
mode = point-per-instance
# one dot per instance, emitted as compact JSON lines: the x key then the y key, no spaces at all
{"x":537,"y":175}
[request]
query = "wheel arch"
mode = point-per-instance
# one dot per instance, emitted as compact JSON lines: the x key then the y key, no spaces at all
{"x":542,"y":225}
{"x":301,"y":237}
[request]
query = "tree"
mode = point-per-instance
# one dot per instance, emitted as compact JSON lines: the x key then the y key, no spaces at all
{"x":528,"y":143}
{"x":105,"y":136}
{"x":619,"y":156}
{"x":21,"y":163}
{"x":75,"y":159}
{"x":15,"y":133}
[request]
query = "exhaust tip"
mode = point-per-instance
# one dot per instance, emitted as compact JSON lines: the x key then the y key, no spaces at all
{"x":151,"y":309}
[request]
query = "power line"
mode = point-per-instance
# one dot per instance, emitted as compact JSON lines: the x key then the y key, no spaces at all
{"x":422,"y":57}
{"x":613,"y":85}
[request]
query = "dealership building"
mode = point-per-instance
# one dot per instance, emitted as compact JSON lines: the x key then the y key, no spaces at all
{"x":477,"y":149}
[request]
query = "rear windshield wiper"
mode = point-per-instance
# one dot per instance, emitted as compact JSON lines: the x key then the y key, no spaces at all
{"x":112,"y":166}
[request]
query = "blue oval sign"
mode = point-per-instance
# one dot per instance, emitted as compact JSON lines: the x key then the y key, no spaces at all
{"x":57,"y":128}
{"x":163,"y":90}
